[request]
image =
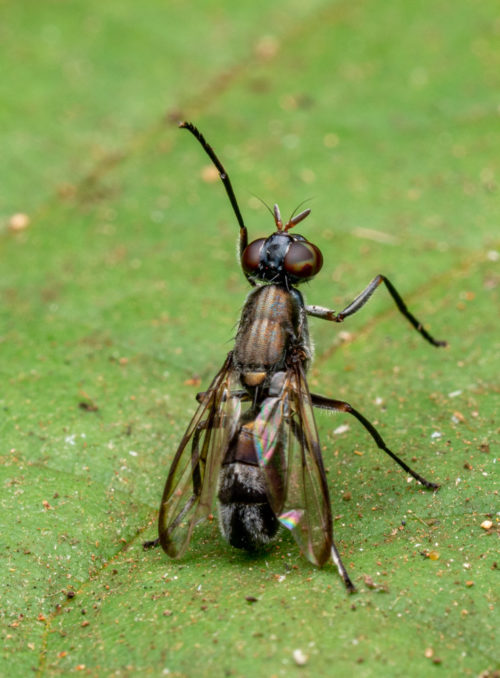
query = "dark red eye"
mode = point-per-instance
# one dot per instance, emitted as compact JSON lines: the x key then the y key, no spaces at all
{"x":251,"y":255}
{"x":303,"y":260}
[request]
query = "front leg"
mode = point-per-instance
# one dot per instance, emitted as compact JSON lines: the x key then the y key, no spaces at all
{"x":360,"y":301}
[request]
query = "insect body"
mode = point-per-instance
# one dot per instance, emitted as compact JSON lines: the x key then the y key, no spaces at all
{"x":253,"y":441}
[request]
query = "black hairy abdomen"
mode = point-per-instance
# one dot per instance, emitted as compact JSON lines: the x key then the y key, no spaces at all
{"x":246,"y":518}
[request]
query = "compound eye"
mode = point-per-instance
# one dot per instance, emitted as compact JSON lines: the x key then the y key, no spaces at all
{"x":250,"y":258}
{"x":303,"y":260}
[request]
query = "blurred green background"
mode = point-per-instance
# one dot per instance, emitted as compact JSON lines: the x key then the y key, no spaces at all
{"x":119,"y":297}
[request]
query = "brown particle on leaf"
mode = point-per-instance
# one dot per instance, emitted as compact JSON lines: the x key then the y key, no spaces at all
{"x":85,"y":623}
{"x":267,"y":47}
{"x":167,"y":613}
{"x":210,"y":174}
{"x":46,"y":505}
{"x":347,"y":496}
{"x":251,"y":599}
{"x":66,"y":190}
{"x":88,"y":406}
{"x":18,"y":222}
{"x":193,"y":381}
{"x":382,"y":588}
{"x":431,"y":555}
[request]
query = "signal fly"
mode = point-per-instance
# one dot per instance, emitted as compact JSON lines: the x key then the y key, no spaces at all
{"x":253,"y":442}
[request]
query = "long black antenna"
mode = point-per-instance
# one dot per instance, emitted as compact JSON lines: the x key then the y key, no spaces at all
{"x":224,"y":178}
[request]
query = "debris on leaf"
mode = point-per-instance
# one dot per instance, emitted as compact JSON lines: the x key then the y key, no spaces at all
{"x":341,"y":429}
{"x":299,"y":657}
{"x":18,"y":222}
{"x":432,"y":555}
{"x":369,"y":583}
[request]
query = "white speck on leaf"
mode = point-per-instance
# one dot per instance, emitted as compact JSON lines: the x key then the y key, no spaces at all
{"x":299,"y":657}
{"x":341,"y":429}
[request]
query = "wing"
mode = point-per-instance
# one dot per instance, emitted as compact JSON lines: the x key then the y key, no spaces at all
{"x":288,"y":449}
{"x":193,"y":477}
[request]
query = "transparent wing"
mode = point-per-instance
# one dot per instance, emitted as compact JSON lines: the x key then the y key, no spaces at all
{"x":192,"y":479}
{"x":288,"y":449}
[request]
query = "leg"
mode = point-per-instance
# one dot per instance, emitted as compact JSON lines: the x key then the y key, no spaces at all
{"x":341,"y":406}
{"x":300,"y":435}
{"x":360,"y":301}
{"x":227,"y":185}
{"x":342,"y":571}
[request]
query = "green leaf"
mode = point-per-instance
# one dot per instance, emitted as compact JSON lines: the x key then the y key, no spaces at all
{"x":119,"y":297}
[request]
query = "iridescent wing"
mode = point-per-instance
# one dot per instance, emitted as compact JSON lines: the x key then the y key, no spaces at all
{"x":192,"y":480}
{"x":288,"y":449}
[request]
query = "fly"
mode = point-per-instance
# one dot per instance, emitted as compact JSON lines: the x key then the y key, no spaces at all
{"x":253,"y":440}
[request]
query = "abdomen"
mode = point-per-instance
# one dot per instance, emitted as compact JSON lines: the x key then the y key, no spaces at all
{"x":245,"y":515}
